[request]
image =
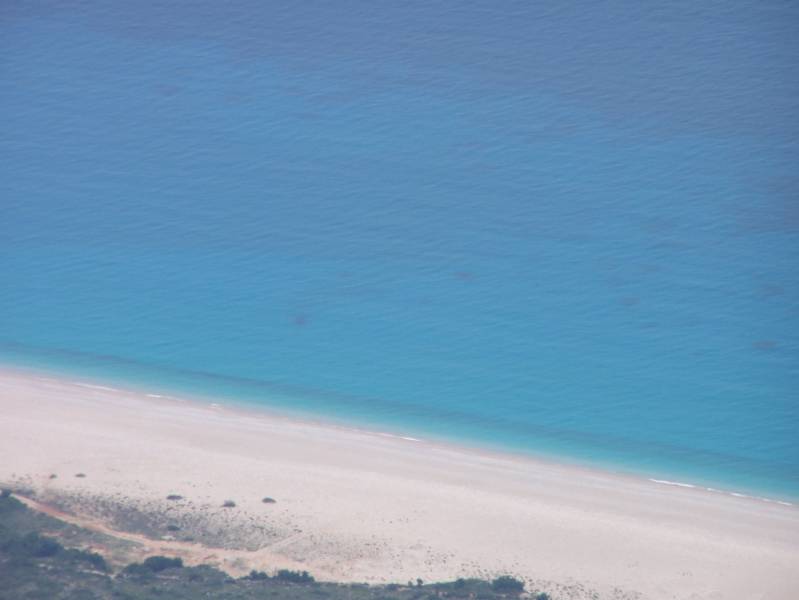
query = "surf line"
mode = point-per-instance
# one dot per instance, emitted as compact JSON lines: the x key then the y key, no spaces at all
{"x":710,"y":489}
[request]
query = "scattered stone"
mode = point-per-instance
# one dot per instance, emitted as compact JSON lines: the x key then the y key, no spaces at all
{"x":268,"y":500}
{"x":174,"y":497}
{"x":229,"y":504}
{"x":81,"y":475}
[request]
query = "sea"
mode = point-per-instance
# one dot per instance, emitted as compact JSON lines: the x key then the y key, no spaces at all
{"x":567,"y":229}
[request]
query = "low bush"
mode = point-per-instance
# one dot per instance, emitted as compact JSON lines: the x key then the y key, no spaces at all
{"x":32,"y":545}
{"x":507,"y":585}
{"x":94,"y":559}
{"x":10,"y":504}
{"x":469,"y":587}
{"x":206,"y":574}
{"x":257,"y":576}
{"x":294,"y":576}
{"x":159,"y":563}
{"x":154,"y":564}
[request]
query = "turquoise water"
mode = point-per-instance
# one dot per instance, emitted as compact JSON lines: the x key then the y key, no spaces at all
{"x":570,"y":230}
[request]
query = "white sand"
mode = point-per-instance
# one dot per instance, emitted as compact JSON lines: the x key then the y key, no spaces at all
{"x":360,"y":506}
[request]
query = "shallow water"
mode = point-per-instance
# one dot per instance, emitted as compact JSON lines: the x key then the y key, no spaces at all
{"x":570,"y":230}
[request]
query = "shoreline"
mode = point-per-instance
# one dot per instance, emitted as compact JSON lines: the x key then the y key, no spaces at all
{"x":298,"y":417}
{"x":357,"y":505}
{"x":254,"y":410}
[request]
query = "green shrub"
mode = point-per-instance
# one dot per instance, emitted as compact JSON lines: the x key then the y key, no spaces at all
{"x":206,"y":574}
{"x":294,"y":576}
{"x":32,"y":545}
{"x":257,"y":576}
{"x":507,"y":585}
{"x":42,"y":547}
{"x":154,"y":564}
{"x":10,"y":504}
{"x":159,"y":563}
{"x":467,"y":587}
{"x":94,"y":559}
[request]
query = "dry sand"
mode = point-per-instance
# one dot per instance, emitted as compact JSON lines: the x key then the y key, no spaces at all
{"x":360,"y":506}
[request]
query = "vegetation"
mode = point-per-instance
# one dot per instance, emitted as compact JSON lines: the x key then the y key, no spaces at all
{"x":294,"y":576}
{"x":153,"y":564}
{"x":22,"y":550}
{"x":33,"y":564}
{"x":257,"y":576}
{"x":507,"y":585}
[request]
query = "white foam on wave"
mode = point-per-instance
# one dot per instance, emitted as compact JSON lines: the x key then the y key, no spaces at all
{"x":717,"y":491}
{"x":675,"y":483}
{"x":397,"y":437}
{"x":155,"y":396}
{"x":92,"y":386}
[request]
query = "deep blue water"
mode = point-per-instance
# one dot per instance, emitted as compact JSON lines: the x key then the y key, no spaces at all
{"x":570,"y":229}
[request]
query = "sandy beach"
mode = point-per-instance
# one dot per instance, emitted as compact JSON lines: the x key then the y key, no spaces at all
{"x":355,"y":505}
